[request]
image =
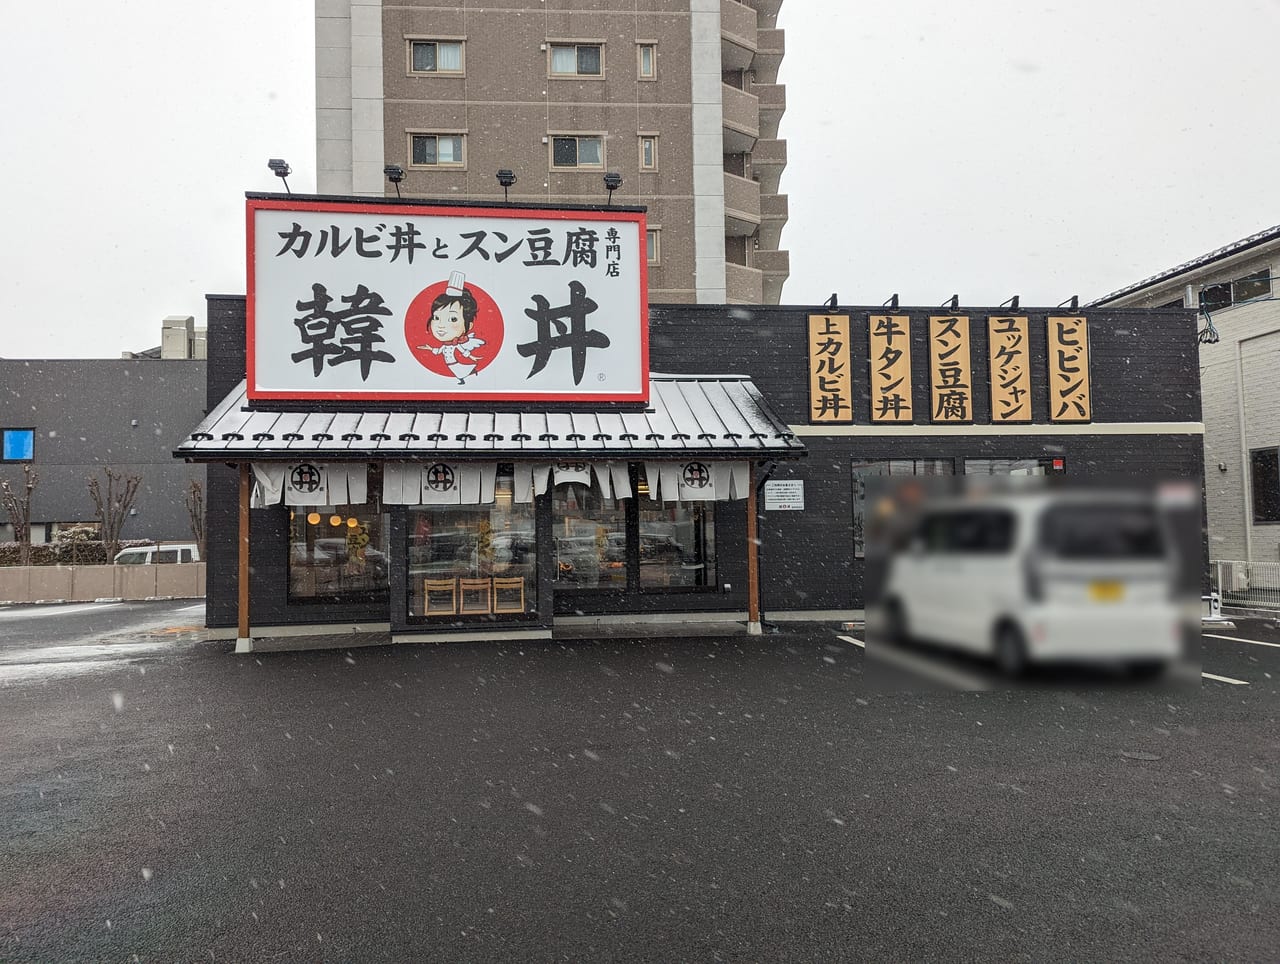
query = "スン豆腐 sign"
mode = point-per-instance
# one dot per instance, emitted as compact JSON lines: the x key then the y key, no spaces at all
{"x":950,"y":371}
{"x":386,"y":301}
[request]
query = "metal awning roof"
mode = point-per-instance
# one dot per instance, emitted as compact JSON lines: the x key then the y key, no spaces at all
{"x":713,"y":416}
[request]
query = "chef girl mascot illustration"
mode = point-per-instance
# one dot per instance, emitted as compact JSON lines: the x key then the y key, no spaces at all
{"x":452,"y":315}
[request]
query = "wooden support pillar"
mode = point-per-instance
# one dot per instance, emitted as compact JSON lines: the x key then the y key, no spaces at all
{"x":244,"y":642}
{"x":754,"y":626}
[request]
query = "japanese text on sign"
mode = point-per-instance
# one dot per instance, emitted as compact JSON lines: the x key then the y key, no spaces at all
{"x":1069,"y":399}
{"x":890,"y":358}
{"x":409,"y":301}
{"x":830,"y":370}
{"x":950,"y":370}
{"x":1007,"y":343}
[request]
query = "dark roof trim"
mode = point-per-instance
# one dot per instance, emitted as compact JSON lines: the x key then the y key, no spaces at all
{"x":442,"y":202}
{"x":1227,"y":251}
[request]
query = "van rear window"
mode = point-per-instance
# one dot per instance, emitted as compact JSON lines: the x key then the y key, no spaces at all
{"x":1102,"y":532}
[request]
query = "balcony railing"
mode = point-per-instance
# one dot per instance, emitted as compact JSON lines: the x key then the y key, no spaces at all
{"x":741,"y":205}
{"x":737,"y":35}
{"x":743,"y":285}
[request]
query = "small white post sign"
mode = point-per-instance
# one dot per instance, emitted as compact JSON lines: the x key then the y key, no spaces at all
{"x":784,"y":495}
{"x":388,"y":301}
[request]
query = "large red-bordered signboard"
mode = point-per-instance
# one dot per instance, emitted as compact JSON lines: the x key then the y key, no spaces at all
{"x":350,"y":300}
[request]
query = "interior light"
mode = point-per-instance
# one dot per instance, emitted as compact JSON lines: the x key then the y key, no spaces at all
{"x":313,"y":518}
{"x":335,"y":520}
{"x":352,"y":522}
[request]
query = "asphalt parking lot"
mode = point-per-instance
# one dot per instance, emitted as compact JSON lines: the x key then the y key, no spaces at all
{"x":717,"y":798}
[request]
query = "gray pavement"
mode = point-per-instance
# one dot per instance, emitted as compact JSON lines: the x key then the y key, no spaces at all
{"x":707,"y":798}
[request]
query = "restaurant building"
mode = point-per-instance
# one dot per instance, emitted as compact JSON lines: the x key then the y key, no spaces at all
{"x":466,"y":422}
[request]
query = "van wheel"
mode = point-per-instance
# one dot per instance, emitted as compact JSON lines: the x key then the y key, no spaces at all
{"x":895,"y":622}
{"x":1010,"y":650}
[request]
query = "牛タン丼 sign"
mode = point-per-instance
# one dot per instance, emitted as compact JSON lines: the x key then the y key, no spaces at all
{"x":385,"y":301}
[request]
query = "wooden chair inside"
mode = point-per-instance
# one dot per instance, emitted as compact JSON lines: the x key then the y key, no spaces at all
{"x":477,"y":595}
{"x":508,"y":594}
{"x":440,"y":597}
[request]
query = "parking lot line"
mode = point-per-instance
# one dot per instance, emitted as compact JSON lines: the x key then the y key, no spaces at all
{"x":1239,"y":639}
{"x":856,"y":642}
{"x":1226,"y":679}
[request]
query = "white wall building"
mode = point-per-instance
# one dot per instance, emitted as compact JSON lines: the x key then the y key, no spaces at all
{"x":1240,"y":385}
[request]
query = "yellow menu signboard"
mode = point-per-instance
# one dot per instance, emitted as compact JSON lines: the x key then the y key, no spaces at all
{"x":1069,"y":399}
{"x":1008,"y":344}
{"x":950,"y":370}
{"x":890,"y":357}
{"x":830,"y":369}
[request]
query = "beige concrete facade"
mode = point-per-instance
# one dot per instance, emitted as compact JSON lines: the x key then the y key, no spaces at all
{"x":695,"y":79}
{"x":1239,"y":383}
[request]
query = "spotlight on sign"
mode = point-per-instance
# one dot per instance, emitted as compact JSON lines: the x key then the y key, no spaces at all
{"x":506,"y":178}
{"x":280,"y":169}
{"x":612,"y":181}
{"x":395,"y":174}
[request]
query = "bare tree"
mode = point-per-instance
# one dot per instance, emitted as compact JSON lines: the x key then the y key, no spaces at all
{"x":19,"y":509}
{"x":112,"y":507}
{"x":194,"y":501}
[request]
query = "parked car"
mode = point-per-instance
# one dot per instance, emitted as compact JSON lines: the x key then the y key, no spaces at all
{"x":158,"y":553}
{"x":1040,"y":577}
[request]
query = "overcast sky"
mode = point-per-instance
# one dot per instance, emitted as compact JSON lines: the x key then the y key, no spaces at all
{"x":935,"y":148}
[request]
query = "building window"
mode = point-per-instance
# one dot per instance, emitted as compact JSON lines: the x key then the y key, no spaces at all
{"x":1227,"y":293}
{"x":1013,"y":466}
{"x":865,"y":472}
{"x":1256,"y":285}
{"x":436,"y":150}
{"x":1264,"y":482}
{"x":590,"y":537}
{"x":18,"y":444}
{"x":339,"y":553}
{"x":473,"y":560}
{"x":677,"y":544}
{"x":648,"y":152}
{"x":577,"y":60}
{"x":647,"y":61}
{"x":652,"y":246}
{"x":435,"y":56}
{"x":573,"y":150}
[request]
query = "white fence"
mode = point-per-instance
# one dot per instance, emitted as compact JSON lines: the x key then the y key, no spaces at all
{"x":1246,"y":585}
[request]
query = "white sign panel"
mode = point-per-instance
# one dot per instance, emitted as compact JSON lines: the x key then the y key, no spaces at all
{"x":403,"y":301}
{"x":784,"y":495}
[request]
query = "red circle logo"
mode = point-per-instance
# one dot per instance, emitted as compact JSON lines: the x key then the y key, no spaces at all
{"x":453,"y":334}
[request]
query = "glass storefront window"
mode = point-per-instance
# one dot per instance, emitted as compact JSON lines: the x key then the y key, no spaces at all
{"x":677,"y":544}
{"x":590,"y":537}
{"x":885,"y":467}
{"x":1007,"y":466}
{"x":338,"y":553}
{"x":473,"y":560}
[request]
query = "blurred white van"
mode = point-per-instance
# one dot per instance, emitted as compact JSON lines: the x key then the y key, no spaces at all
{"x":1040,"y":577}
{"x":148,"y":555}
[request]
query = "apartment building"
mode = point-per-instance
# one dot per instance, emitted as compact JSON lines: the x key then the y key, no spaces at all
{"x":679,"y":97}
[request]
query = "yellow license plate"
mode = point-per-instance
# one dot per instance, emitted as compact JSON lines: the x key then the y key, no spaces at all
{"x":1106,"y":591}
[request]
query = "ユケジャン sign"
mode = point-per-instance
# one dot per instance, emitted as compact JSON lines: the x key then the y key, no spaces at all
{"x":351,"y":300}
